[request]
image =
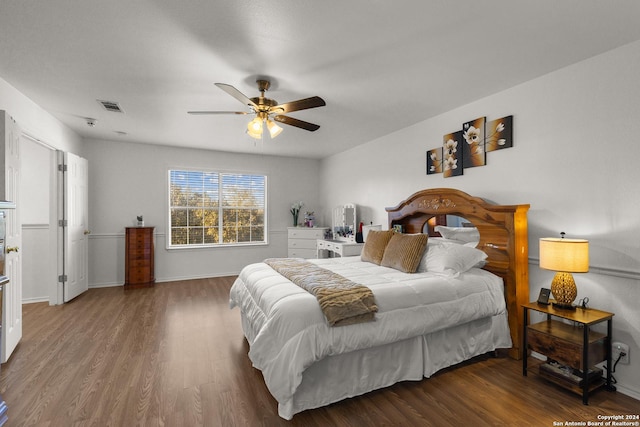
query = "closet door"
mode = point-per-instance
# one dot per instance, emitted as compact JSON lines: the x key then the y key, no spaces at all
{"x":76,"y":228}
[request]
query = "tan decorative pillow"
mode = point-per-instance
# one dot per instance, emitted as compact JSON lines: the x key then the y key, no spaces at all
{"x":374,"y":246}
{"x":404,"y":252}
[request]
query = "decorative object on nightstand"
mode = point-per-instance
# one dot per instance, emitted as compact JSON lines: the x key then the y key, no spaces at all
{"x":565,"y":256}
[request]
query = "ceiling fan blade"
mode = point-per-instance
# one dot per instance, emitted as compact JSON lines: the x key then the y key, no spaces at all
{"x":237,"y":94}
{"x":297,"y":123}
{"x":217,"y":112}
{"x":301,"y":104}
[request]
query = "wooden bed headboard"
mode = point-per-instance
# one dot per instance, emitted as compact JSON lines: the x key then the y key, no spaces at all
{"x":503,"y":236}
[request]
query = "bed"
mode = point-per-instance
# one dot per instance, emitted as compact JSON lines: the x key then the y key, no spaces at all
{"x":425,"y":321}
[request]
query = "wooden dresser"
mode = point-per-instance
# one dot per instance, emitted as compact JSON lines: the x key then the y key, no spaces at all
{"x":139,"y":257}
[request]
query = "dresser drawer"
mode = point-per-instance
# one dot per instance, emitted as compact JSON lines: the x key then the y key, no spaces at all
{"x":302,"y":253}
{"x":302,"y":244}
{"x":563,"y":343}
{"x":139,"y":253}
{"x":306,"y":233}
{"x":335,"y":247}
{"x":139,"y":236}
{"x":141,"y":275}
{"x":139,"y":246}
{"x":140,"y":262}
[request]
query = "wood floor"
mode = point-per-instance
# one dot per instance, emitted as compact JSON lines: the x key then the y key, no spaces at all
{"x":174,"y":355}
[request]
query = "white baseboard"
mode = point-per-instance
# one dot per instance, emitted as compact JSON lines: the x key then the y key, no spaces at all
{"x":208,"y":276}
{"x":104,"y":285}
{"x":166,"y":279}
{"x":628,"y":392}
{"x":35,"y":300}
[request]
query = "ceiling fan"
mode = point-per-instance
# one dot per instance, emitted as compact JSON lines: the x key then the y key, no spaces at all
{"x":267,"y":109}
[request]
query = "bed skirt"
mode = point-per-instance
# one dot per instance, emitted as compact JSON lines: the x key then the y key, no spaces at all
{"x":352,"y":374}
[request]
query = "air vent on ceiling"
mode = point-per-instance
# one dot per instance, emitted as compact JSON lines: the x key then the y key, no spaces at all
{"x":111,"y":106}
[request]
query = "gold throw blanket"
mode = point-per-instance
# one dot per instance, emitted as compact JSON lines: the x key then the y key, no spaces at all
{"x":342,"y":301}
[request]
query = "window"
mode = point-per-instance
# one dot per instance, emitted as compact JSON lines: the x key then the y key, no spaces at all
{"x":212,"y":209}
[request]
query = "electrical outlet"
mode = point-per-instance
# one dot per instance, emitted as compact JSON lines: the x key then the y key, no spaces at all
{"x":616,"y":349}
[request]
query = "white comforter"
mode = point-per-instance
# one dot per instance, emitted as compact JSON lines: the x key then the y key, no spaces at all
{"x":291,"y":333}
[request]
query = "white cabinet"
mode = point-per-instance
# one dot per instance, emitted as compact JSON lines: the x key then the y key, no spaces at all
{"x":338,"y":247}
{"x":302,"y":241}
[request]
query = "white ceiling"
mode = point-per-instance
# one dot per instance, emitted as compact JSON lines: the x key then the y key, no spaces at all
{"x":379,"y":65}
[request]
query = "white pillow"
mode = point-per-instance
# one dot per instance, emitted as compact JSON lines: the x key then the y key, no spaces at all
{"x":463,"y":234}
{"x":450,"y":258}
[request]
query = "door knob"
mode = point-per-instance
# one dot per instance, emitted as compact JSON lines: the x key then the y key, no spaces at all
{"x":12,"y":249}
{"x":87,"y":232}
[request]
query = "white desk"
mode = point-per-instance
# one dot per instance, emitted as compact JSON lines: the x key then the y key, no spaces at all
{"x":338,"y":247}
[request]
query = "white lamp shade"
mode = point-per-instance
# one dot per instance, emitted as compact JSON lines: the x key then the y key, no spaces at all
{"x":565,"y":255}
{"x":254,"y":128}
{"x":274,"y":129}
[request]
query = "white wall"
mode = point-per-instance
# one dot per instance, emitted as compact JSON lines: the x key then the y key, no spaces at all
{"x":35,"y":121}
{"x":575,"y":160}
{"x":38,"y":261}
{"x":126,"y":180}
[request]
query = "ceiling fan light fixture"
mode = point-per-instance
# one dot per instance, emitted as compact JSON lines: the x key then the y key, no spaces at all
{"x":255,"y":125}
{"x":254,"y":128}
{"x":274,"y":129}
{"x":254,"y":135}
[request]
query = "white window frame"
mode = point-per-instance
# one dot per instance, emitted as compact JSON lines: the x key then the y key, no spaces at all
{"x":220,"y":208}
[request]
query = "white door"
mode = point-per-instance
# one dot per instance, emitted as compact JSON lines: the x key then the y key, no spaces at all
{"x":12,"y":301}
{"x":76,"y":228}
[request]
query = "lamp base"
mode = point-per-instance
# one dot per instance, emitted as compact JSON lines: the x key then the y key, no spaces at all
{"x":564,"y":290}
{"x":563,"y":306}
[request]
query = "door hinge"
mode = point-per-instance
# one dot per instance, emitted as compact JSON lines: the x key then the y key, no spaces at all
{"x":62,"y":223}
{"x":62,"y":168}
{"x":62,"y":278}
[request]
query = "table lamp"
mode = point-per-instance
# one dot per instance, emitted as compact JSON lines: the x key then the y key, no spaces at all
{"x":565,"y":256}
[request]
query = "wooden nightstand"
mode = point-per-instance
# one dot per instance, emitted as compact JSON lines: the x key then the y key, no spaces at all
{"x":574,"y":346}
